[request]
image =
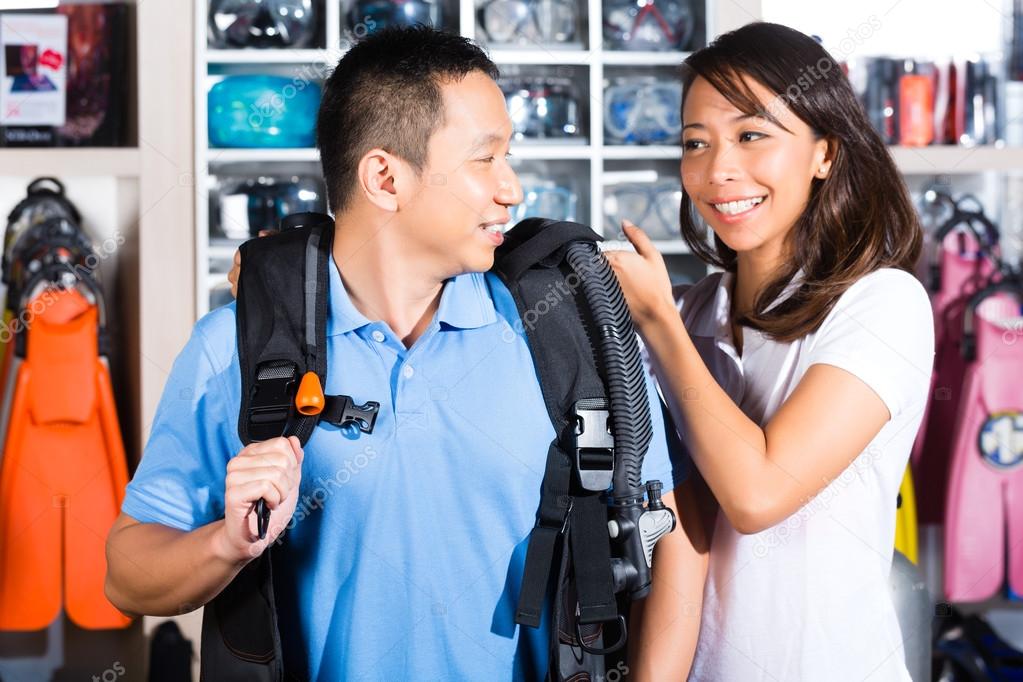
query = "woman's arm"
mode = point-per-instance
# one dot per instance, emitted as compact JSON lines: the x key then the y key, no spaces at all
{"x":666,"y":625}
{"x":759,"y":476}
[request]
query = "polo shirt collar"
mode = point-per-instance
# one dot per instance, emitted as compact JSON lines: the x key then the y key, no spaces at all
{"x":465,"y":303}
{"x":717,"y":325}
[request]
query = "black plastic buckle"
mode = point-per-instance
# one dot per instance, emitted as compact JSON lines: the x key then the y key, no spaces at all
{"x":273,"y":398}
{"x":341,"y":410}
{"x":594,"y":445}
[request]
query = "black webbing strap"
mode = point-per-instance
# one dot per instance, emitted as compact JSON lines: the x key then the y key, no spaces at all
{"x":553,"y":514}
{"x":591,"y":560}
{"x":531,"y":262}
{"x":282,"y":300}
{"x":533,"y":240}
{"x":315,"y":305}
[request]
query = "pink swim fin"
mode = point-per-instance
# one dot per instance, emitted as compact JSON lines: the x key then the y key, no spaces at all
{"x":984,"y":512}
{"x":963,"y":272}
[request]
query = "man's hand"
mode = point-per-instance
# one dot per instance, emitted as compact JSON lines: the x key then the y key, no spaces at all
{"x":270,"y":470}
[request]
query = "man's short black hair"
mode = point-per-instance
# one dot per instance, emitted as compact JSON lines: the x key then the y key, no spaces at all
{"x":385,"y":93}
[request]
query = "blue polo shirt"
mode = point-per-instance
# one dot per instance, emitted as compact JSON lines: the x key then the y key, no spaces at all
{"x":404,"y":558}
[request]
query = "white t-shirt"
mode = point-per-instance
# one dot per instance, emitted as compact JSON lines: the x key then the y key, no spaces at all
{"x":809,"y":598}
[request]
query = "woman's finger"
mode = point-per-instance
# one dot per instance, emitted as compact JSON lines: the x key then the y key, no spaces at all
{"x":639,"y":239}
{"x":235,"y":272}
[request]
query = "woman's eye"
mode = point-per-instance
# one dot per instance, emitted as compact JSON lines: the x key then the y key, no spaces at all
{"x":744,"y":137}
{"x":488,"y":159}
{"x":692,"y":144}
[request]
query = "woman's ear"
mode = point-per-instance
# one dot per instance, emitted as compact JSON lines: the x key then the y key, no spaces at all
{"x":827,"y":148}
{"x":378,"y":171}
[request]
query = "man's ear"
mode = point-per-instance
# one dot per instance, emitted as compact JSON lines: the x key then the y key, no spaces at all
{"x":377,"y":174}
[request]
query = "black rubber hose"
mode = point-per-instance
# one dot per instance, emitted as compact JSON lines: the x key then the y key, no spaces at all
{"x":622,"y":365}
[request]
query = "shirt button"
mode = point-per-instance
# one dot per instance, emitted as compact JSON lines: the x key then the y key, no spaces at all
{"x":408,"y":371}
{"x":378,"y":336}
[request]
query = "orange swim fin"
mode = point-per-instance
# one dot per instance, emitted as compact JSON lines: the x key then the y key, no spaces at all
{"x":63,"y":473}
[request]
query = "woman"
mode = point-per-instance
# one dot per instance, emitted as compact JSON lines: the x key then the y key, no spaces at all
{"x":797,"y":376}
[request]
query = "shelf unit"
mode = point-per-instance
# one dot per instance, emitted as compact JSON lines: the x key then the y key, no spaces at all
{"x":594,"y":159}
{"x":120,"y":162}
{"x":588,"y":160}
{"x":144,"y":194}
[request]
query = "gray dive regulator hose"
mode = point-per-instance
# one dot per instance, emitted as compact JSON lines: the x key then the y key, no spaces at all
{"x":634,"y":527}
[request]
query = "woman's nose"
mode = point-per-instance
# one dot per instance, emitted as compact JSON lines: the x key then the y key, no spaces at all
{"x":722,"y":164}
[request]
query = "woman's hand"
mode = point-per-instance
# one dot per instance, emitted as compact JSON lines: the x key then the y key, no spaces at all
{"x":236,"y":266}
{"x":643,"y":277}
{"x":236,"y":272}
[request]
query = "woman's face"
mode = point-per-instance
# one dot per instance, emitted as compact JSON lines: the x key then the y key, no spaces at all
{"x":748,"y":177}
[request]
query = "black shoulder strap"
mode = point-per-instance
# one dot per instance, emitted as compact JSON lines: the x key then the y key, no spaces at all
{"x":536,"y":242}
{"x":532,"y":265}
{"x":283,"y":302}
{"x":281,"y":323}
{"x":281,"y":326}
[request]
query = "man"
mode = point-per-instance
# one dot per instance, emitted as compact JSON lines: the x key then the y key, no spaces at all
{"x":404,"y":548}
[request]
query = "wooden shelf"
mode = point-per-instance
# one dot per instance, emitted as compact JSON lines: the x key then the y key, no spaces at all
{"x":68,"y":162}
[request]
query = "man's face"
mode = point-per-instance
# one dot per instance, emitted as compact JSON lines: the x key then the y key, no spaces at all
{"x":467,"y":185}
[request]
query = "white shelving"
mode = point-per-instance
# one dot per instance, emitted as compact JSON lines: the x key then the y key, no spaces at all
{"x":122,"y":162}
{"x":254,"y":56}
{"x":502,"y":56}
{"x":552,"y":152}
{"x":588,"y":59}
{"x":261,"y":156}
{"x":629,"y":152}
{"x":951,"y":160}
{"x":672,"y":247}
{"x":644,"y":58}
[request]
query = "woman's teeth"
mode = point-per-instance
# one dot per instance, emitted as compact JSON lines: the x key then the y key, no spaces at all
{"x":736,"y":207}
{"x":494,"y":229}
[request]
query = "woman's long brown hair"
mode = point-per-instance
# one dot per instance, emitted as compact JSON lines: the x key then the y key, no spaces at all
{"x":858,"y":219}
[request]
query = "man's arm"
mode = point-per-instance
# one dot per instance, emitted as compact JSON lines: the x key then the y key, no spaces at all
{"x":162,"y":571}
{"x":666,"y":625}
{"x":156,"y":570}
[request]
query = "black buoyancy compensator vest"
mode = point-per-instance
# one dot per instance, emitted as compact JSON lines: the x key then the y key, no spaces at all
{"x":597,"y":523}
